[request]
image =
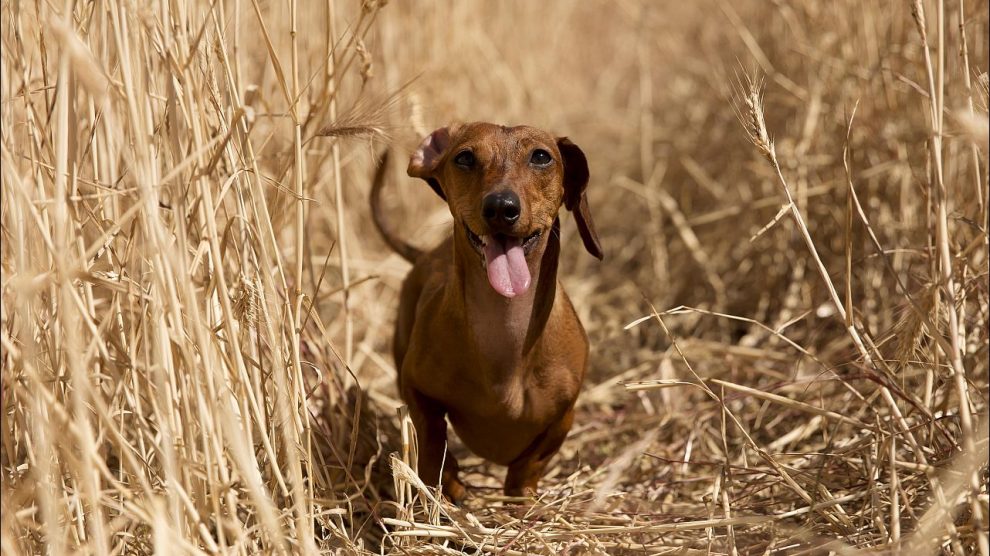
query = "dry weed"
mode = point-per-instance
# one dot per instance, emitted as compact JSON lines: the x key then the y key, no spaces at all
{"x":790,"y":341}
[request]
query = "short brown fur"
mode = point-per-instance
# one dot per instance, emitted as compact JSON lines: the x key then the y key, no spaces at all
{"x":505,"y":372}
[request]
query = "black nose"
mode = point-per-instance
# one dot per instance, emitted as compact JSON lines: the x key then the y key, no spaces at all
{"x":501,"y":209}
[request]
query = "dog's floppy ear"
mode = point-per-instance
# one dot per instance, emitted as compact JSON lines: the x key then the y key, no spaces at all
{"x":575,"y":181}
{"x":425,"y":160}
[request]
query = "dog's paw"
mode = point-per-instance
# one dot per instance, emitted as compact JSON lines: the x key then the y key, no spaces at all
{"x":455,"y":491}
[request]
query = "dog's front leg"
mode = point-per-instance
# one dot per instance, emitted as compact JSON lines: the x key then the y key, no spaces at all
{"x":525,"y":471}
{"x":431,"y":431}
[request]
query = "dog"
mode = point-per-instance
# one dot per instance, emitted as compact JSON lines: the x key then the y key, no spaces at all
{"x":485,"y":336}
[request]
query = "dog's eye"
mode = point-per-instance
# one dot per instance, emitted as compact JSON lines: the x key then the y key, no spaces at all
{"x":540,"y":157}
{"x":465,"y":159}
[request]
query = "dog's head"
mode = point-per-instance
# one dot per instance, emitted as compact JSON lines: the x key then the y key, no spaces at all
{"x":504,"y":187}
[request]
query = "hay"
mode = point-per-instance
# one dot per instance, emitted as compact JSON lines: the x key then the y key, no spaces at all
{"x":790,"y":331}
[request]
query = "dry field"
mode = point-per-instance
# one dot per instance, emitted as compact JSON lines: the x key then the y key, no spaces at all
{"x":789,"y":331}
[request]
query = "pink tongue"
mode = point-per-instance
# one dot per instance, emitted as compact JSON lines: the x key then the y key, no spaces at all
{"x":508,"y":272}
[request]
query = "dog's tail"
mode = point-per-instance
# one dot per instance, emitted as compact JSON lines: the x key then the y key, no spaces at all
{"x":408,"y":252}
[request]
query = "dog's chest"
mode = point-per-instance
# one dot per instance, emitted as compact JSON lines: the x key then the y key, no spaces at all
{"x":499,"y":424}
{"x":477,"y":365}
{"x":476,"y":386}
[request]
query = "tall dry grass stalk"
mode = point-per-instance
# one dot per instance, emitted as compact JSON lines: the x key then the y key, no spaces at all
{"x":789,"y":344}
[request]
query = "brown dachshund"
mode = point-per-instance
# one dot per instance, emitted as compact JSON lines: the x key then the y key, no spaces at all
{"x":485,"y":335}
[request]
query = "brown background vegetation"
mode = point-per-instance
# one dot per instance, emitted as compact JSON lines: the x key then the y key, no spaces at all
{"x":197,"y":310}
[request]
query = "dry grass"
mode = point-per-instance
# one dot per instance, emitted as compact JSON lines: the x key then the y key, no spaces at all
{"x":790,"y":339}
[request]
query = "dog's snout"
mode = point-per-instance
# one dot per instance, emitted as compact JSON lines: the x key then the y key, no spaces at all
{"x":501,"y":209}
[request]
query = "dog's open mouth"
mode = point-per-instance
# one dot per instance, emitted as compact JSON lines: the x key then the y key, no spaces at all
{"x":504,"y":257}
